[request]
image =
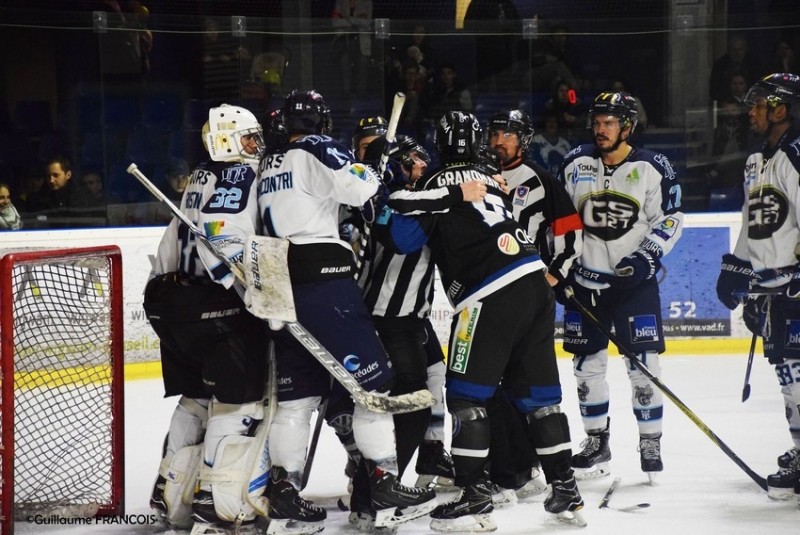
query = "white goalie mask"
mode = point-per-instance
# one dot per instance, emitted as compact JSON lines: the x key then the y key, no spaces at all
{"x":227,"y":126}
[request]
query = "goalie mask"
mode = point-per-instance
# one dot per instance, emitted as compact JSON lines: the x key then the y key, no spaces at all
{"x":776,"y":89}
{"x":233,"y":130}
{"x":305,"y":112}
{"x":368,"y":127}
{"x":620,"y":105}
{"x":457,"y":136}
{"x":516,"y":121}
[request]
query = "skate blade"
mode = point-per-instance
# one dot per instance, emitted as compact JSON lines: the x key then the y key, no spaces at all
{"x":365,"y":522}
{"x":394,"y":516}
{"x":534,"y":487}
{"x":437,"y":483}
{"x":651,"y":478}
{"x":779,"y":494}
{"x":595,"y":472}
{"x":469,"y":523}
{"x":293,"y":527}
{"x":202,"y":528}
{"x":504,"y":498}
{"x":572,"y":517}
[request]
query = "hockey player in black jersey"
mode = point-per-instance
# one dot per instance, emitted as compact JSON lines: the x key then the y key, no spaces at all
{"x":768,"y":249}
{"x":489,"y":265}
{"x":629,"y":200}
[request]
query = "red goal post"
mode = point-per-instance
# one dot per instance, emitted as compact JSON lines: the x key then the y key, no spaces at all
{"x":62,"y":366}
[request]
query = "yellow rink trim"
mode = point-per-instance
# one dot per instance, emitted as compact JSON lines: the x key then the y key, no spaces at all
{"x":675,"y":348}
{"x":63,"y":377}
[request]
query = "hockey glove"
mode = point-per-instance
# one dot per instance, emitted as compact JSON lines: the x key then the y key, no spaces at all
{"x":793,"y":288}
{"x":376,"y":205}
{"x":635,"y":269}
{"x":735,"y":275}
{"x":752,"y":314}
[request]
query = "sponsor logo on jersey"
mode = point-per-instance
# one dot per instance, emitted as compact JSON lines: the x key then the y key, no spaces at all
{"x":573,"y":325}
{"x":520,"y":194}
{"x":351,"y":363}
{"x":213,"y":228}
{"x":462,"y":341}
{"x":584,"y":173}
{"x":359,"y":170}
{"x":667,"y":228}
{"x":220,"y":313}
{"x":768,"y":209}
{"x":366,"y":371}
{"x":643,"y":328}
{"x":632,"y":177}
{"x":750,"y":172}
{"x":507,"y":244}
{"x":608,"y":215}
{"x":792,"y":334}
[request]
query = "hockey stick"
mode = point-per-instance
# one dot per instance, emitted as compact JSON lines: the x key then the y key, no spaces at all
{"x":312,"y":447}
{"x":391,"y":131}
{"x":570,"y":294}
{"x":627,"y":509}
{"x":414,"y":401}
{"x":746,"y":388}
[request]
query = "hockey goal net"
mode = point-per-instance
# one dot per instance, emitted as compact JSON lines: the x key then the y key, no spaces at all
{"x":62,"y":371}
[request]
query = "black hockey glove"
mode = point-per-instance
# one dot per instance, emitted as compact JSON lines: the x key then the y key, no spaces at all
{"x":752,"y":314}
{"x":735,"y":275}
{"x":376,"y":205}
{"x":635,"y":269}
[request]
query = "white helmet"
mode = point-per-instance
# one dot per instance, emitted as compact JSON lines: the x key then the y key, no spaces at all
{"x":227,"y":125}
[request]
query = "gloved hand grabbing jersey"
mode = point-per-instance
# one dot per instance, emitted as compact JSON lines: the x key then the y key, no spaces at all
{"x":735,"y":275}
{"x":635,"y":269}
{"x":376,"y":205}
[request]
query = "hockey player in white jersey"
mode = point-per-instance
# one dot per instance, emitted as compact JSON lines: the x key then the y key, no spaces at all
{"x":300,"y":191}
{"x":629,"y":200}
{"x":768,"y":250}
{"x":213,"y":352}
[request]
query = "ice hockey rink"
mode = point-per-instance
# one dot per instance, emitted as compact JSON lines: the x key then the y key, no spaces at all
{"x":701,"y":490}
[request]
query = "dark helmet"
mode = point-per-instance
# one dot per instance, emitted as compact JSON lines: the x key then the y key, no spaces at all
{"x":516,"y":121}
{"x":275,"y":134}
{"x":367,"y":127}
{"x":305,"y":112}
{"x":457,"y":136}
{"x":401,"y":152}
{"x":779,"y":88}
{"x":620,"y":105}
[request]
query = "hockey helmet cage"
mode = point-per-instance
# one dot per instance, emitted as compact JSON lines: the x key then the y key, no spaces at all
{"x":620,"y":105}
{"x":403,"y":148}
{"x":305,"y":112}
{"x":778,"y":88}
{"x":457,"y":136}
{"x":516,"y":121}
{"x":367,"y":127}
{"x":227,"y":125}
{"x":276,"y":138}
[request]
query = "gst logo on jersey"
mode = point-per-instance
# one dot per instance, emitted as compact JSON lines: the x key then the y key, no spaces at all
{"x":572,"y":324}
{"x":194,"y":200}
{"x":643,"y":328}
{"x":584,"y":173}
{"x":507,"y":244}
{"x":235,"y":174}
{"x":273,"y":183}
{"x":768,"y":209}
{"x":607,"y":214}
{"x":520,"y":194}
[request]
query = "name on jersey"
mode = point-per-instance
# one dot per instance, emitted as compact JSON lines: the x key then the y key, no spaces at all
{"x":200,"y":176}
{"x":584,"y":172}
{"x":194,"y":199}
{"x":273,"y":183}
{"x":453,"y":178}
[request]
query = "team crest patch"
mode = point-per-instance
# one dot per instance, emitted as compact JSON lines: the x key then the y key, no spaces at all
{"x":458,"y":359}
{"x":507,"y":244}
{"x":792,"y":340}
{"x":520,"y":195}
{"x":643,"y":328}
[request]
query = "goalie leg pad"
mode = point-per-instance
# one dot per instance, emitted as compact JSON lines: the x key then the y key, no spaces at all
{"x":226,"y":419}
{"x":289,"y":433}
{"x":647,"y":400}
{"x":593,"y":395}
{"x":180,"y":477}
{"x":227,"y":478}
{"x":187,"y":426}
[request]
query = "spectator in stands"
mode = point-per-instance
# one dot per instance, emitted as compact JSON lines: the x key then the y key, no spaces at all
{"x":91,"y":199}
{"x":570,"y":110}
{"x":784,"y":59}
{"x":9,"y":217}
{"x":33,"y":199}
{"x":352,"y":46}
{"x":547,"y":62}
{"x":737,"y":59}
{"x":495,"y":22}
{"x":419,"y":39}
{"x":64,"y":194}
{"x":447,"y":94}
{"x":547,"y":147}
{"x":414,"y":87}
{"x":617,"y":86}
{"x":177,"y":178}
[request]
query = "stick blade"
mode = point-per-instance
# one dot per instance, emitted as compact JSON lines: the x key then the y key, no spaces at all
{"x":745,"y":393}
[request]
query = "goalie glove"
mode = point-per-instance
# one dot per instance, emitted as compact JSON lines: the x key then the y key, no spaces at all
{"x":735,"y":275}
{"x":635,"y":269}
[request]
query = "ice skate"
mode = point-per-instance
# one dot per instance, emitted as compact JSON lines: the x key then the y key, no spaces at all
{"x":289,"y":513}
{"x":157,"y":501}
{"x":783,"y":484}
{"x":564,"y":499}
{"x":395,"y":503}
{"x":435,"y":467}
{"x":650,"y":455}
{"x":536,"y":485}
{"x":592,"y":461}
{"x":470,"y":512}
{"x":206,"y":521}
{"x":502,"y":497}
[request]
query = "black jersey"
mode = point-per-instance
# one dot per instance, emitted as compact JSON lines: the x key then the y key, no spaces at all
{"x":478,"y":247}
